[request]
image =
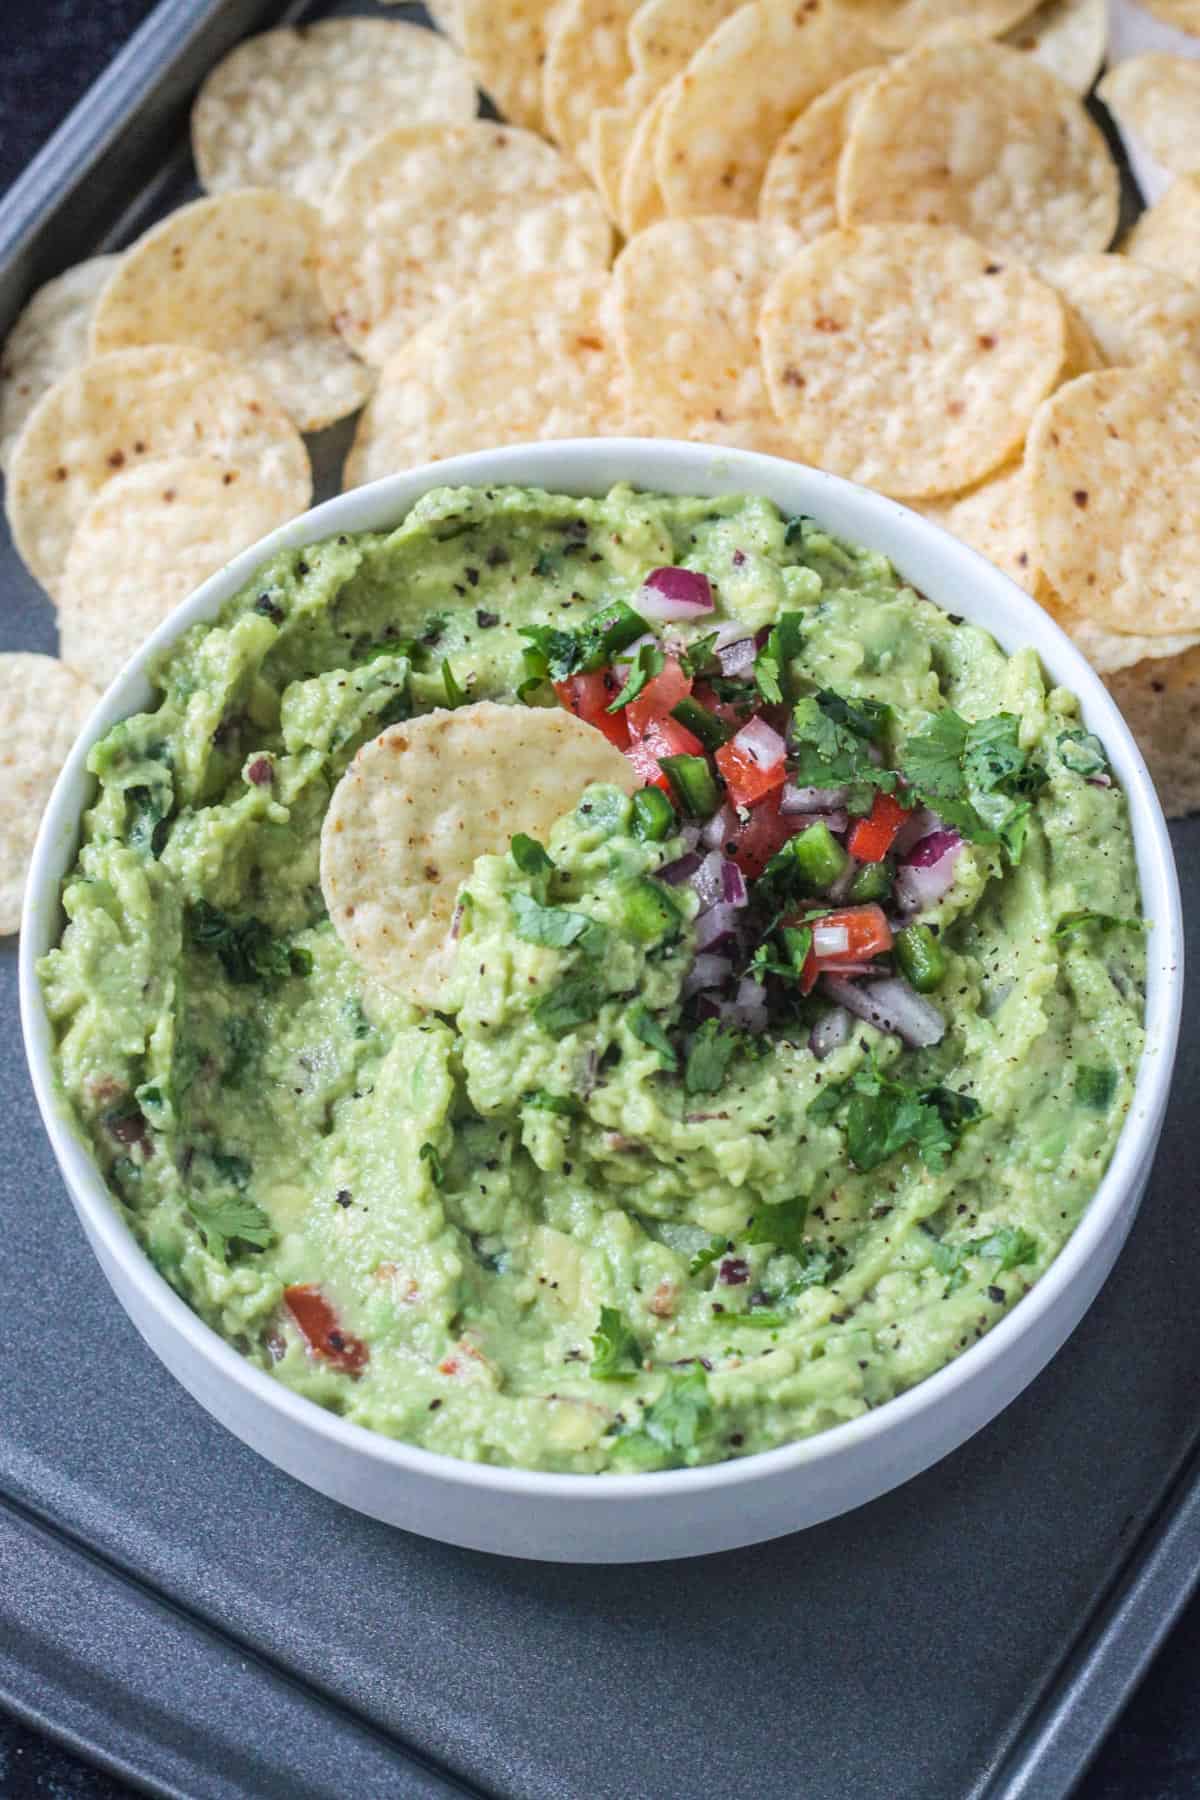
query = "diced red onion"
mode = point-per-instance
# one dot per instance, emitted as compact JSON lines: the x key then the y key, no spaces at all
{"x":932,"y":848}
{"x":736,"y":658}
{"x":456,"y":919}
{"x":689,"y":836}
{"x":715,"y":926}
{"x":760,"y":743}
{"x":812,"y":799}
{"x":707,"y":882}
{"x":919,"y":823}
{"x":673,"y":593}
{"x":830,"y":940}
{"x":921,"y":882}
{"x":830,"y":1032}
{"x":890,"y":1005}
{"x":747,"y":1011}
{"x":735,"y":890}
{"x":708,"y":971}
{"x":840,"y":889}
{"x":681,"y":869}
{"x":1100,"y":781}
{"x":720,"y":829}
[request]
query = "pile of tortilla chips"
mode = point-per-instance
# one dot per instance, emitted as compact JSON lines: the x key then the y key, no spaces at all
{"x":872,"y":235}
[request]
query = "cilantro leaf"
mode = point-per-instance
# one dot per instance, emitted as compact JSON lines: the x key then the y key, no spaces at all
{"x":713,"y":1049}
{"x":553,"y":925}
{"x":646,"y":1028}
{"x":1095,"y":1087}
{"x":565,"y":1105}
{"x":555,"y":653}
{"x":428,"y":1154}
{"x":819,"y":1268}
{"x":1072,"y":924}
{"x":530,"y":856}
{"x":1010,"y":1246}
{"x":713,"y":1251}
{"x":682,"y":1412}
{"x":992,"y":758}
{"x":932,"y":757}
{"x":781,"y":1225}
{"x":575,"y":1001}
{"x":648,"y":663}
{"x":616,"y":1353}
{"x":830,"y":740}
{"x":866,"y":718}
{"x":700,"y":658}
{"x":246,"y":948}
{"x":455,"y":695}
{"x":772,"y":675}
{"x":881,"y":1117}
{"x":231,"y":1219}
{"x":1082,"y":752}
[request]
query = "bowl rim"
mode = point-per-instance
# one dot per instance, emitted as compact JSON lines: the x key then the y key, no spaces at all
{"x":582,"y":466}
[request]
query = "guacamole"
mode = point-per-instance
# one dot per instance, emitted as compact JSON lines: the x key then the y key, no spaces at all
{"x":678,"y":1171}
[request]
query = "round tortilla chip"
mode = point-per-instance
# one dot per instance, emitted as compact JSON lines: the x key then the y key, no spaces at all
{"x":1068,"y":37}
{"x":980,"y":137}
{"x":420,"y":802}
{"x":429,"y":213}
{"x":1134,"y":314}
{"x":799,"y":189}
{"x":1158,"y":97}
{"x":609,"y":136}
{"x":49,"y":339}
{"x":238,"y":274}
{"x":587,"y":67}
{"x":290,"y":108}
{"x":1183,"y":14}
{"x":1168,"y":235}
{"x":505,"y":42}
{"x":1160,"y":702}
{"x":1111,"y":651}
{"x":909,"y":358}
{"x":446,"y":15}
{"x":126,"y":408}
{"x":688,"y":294}
{"x":723,"y":116}
{"x":1083,"y":352}
{"x":1114,"y":467}
{"x":148,"y":539}
{"x":531,"y":357}
{"x":641,"y":202}
{"x":901,"y":24}
{"x":42,"y":706}
{"x":664,"y":35}
{"x":993,"y":518}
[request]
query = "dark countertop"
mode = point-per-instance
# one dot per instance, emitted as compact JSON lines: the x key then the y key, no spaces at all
{"x":50,"y":50}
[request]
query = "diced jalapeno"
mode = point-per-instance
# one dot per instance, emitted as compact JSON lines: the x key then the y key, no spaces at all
{"x":703,"y":724}
{"x":653,"y":816}
{"x":921,"y":958}
{"x":872,"y":882}
{"x":819,"y":857}
{"x":693,"y":784}
{"x":647,"y":911}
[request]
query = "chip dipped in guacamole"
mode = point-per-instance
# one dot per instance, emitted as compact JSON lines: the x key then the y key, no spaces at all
{"x":755,"y":1060}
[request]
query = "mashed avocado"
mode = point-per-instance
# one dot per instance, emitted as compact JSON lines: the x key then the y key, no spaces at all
{"x":585,"y":1217}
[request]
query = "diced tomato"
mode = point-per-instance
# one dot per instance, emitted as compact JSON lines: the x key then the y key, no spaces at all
{"x":319,"y":1327}
{"x":868,"y":935}
{"x":587,"y":696}
{"x":661,"y":737}
{"x":873,"y":836}
{"x":657,"y":698}
{"x":748,"y":782}
{"x":756,"y":840}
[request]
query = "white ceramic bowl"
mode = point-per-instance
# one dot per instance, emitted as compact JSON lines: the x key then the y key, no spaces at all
{"x":619,"y":1518}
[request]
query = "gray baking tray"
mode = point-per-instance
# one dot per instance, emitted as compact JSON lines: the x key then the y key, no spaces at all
{"x":175,"y":1609}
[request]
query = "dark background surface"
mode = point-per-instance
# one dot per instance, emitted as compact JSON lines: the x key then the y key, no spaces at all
{"x":50,"y":50}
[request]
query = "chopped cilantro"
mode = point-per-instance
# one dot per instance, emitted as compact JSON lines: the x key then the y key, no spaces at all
{"x":818,"y":1268}
{"x":455,"y":695}
{"x":616,"y":1353}
{"x":573,"y":1002}
{"x":759,"y":1318}
{"x":565,"y":1105}
{"x":681,"y":1413}
{"x":646,"y":1028}
{"x":554,"y":925}
{"x":1082,"y":752}
{"x":713,"y":1049}
{"x":771,"y":666}
{"x":1095,"y":1087}
{"x":781,"y":1225}
{"x":230,"y":1167}
{"x":1073,"y":923}
{"x":247,"y":950}
{"x":428,"y":1154}
{"x":713,"y":1251}
{"x":648,"y":663}
{"x":530,"y":856}
{"x":700,"y":658}
{"x":975,"y":776}
{"x":881,"y":1116}
{"x":830,"y":740}
{"x":562,"y":653}
{"x":1010,"y":1246}
{"x":228,"y":1220}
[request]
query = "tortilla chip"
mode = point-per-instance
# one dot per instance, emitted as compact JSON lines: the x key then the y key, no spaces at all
{"x":869,"y":388}
{"x":238,"y":274}
{"x":505,"y":42}
{"x":1083,"y":352}
{"x":983,"y":138}
{"x":48,"y":340}
{"x":1160,"y":702}
{"x":1110,"y":652}
{"x":641,"y":198}
{"x":446,"y":15}
{"x":531,"y":357}
{"x":127,"y":408}
{"x":420,"y":802}
{"x":993,"y":518}
{"x":688,"y":295}
{"x":290,"y":108}
{"x":587,"y":67}
{"x":799,"y":189}
{"x":900,"y":24}
{"x":610,"y":135}
{"x":1114,"y":466}
{"x":723,"y":116}
{"x":1135,"y":314}
{"x":1168,"y":235}
{"x":429,"y":213}
{"x":664,"y":35}
{"x":1158,"y":97}
{"x":42,"y":706}
{"x":148,"y":539}
{"x":1069,"y":37}
{"x":1183,"y":14}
